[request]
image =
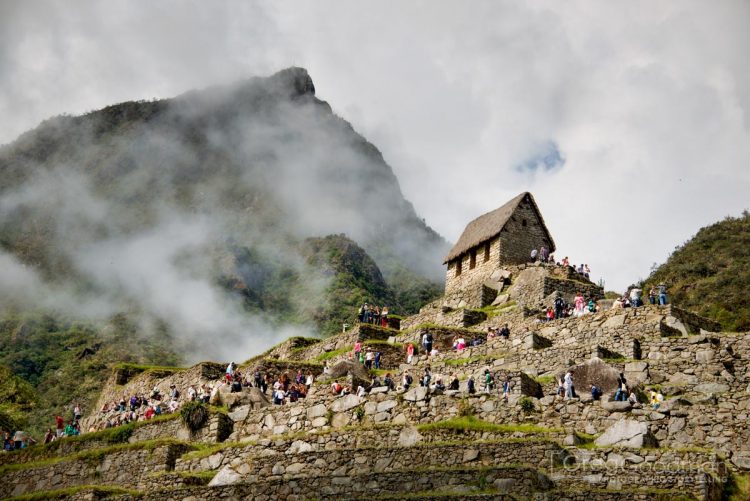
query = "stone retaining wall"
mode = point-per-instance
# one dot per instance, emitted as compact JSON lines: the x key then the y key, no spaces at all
{"x":123,"y":468}
{"x":521,"y":481}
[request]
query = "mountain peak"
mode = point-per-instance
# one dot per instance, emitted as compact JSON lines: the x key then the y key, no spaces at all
{"x":295,"y":79}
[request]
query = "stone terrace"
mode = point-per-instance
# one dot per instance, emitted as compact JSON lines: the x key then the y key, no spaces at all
{"x":438,"y":444}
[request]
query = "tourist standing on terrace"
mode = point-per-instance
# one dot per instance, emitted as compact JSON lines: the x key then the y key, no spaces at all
{"x":652,"y":295}
{"x":543,"y":254}
{"x":427,"y":342}
{"x":579,"y":305}
{"x":662,"y":294}
{"x":568,"y":385}
{"x":505,"y":332}
{"x":409,"y":353}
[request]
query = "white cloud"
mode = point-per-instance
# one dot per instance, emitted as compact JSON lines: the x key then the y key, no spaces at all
{"x":648,"y":103}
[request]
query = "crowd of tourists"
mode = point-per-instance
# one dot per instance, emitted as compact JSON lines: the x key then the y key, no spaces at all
{"x":542,"y":255}
{"x":373,"y":314}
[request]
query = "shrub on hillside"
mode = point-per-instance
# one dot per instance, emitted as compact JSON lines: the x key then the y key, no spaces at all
{"x":194,"y":415}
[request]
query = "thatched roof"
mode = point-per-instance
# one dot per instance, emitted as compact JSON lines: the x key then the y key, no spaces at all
{"x":490,"y":225}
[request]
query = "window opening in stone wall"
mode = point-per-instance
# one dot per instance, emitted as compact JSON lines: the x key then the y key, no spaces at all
{"x":487,"y":252}
{"x":458,"y":267}
{"x":523,"y":222}
{"x":472,"y":259}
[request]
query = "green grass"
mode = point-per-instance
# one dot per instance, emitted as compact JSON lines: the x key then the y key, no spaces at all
{"x":204,"y":451}
{"x":94,"y":454}
{"x":328,"y":355}
{"x":438,"y":494}
{"x":150,"y":368}
{"x":101,"y":490}
{"x":710,"y":273}
{"x":471,"y":423}
{"x":203,"y":476}
{"x":429,"y":325}
{"x":545,"y":380}
{"x":655,"y":494}
{"x":494,"y":311}
{"x":114,"y":435}
{"x":738,"y":488}
{"x":371,"y":342}
{"x":453,"y":362}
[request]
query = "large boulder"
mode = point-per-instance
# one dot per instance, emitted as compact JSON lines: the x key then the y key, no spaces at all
{"x":627,"y":433}
{"x":252,"y":397}
{"x":349,"y":368}
{"x":345,"y":403}
{"x":594,"y":371}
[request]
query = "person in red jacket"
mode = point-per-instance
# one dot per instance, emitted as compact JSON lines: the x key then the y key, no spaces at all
{"x":60,"y":423}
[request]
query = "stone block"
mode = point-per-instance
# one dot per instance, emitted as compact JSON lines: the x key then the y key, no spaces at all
{"x":225,"y":476}
{"x":299,"y":446}
{"x":711,"y":388}
{"x":416,"y":394}
{"x":340,"y":420}
{"x":636,"y":366}
{"x":346,"y":403}
{"x":409,"y":436}
{"x":615,"y":321}
{"x":319,"y":422}
{"x":704,"y":356}
{"x":386,"y":405}
{"x":614,"y":406}
{"x":627,"y":433}
{"x":316,"y":411}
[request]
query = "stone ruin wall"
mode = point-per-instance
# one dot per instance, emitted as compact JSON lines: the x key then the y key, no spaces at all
{"x":471,"y":280}
{"x":517,"y":241}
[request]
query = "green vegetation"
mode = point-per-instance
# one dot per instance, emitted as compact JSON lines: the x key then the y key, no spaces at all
{"x":148,"y":368}
{"x":327,"y":355}
{"x":17,"y":398}
{"x":545,"y":380}
{"x":94,"y":454}
{"x":452,"y":362}
{"x":471,"y":423}
{"x":494,"y":311}
{"x":61,"y":362}
{"x":465,"y":409}
{"x":738,"y":488}
{"x":98,"y":491}
{"x":710,"y":273}
{"x":527,"y":405}
{"x":194,"y":415}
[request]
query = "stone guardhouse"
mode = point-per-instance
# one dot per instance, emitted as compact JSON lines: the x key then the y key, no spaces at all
{"x":502,"y":237}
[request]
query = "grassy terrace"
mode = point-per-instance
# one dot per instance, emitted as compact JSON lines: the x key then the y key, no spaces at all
{"x":97,"y":490}
{"x":94,"y":454}
{"x":154,"y":370}
{"x":471,"y":360}
{"x":494,"y":311}
{"x":327,"y":355}
{"x":471,"y":423}
{"x":418,"y":327}
{"x":115,"y":435}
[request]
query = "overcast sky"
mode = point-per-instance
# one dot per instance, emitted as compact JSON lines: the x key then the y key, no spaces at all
{"x":628,"y":121}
